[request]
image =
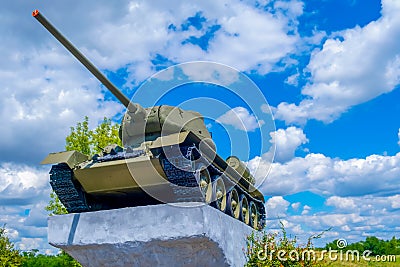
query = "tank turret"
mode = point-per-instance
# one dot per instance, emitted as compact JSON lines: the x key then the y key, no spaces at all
{"x":167,"y":156}
{"x":148,"y":124}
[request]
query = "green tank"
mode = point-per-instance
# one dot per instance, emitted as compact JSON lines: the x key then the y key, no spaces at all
{"x":167,"y":156}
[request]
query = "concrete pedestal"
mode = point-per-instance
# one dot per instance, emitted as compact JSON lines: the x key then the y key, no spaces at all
{"x":160,"y":235}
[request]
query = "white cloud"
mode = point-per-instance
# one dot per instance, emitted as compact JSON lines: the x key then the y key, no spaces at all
{"x":365,"y":205}
{"x":276,"y":207}
{"x":353,"y":66}
{"x":352,"y":218}
{"x":213,"y":73}
{"x":287,"y":141}
{"x":295,"y":205}
{"x":306,"y":210}
{"x":24,"y":192}
{"x":22,"y":185}
{"x":375,"y":175}
{"x":293,"y":79}
{"x":133,"y":33}
{"x":398,"y":135}
{"x":394,"y":201}
{"x":366,"y":215}
{"x":241,"y":119}
{"x":341,"y":203}
{"x":39,"y":108}
{"x":27,"y":244}
{"x":244,"y":27}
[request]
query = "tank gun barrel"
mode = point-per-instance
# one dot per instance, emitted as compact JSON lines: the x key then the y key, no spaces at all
{"x":79,"y":56}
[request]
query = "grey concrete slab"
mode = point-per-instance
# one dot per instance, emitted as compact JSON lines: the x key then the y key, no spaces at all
{"x":159,"y":235}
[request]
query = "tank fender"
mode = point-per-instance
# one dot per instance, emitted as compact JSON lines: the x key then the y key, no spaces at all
{"x":71,"y":158}
{"x":172,"y":139}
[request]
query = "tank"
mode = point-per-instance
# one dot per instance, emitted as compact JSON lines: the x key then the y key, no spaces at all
{"x":167,"y":156}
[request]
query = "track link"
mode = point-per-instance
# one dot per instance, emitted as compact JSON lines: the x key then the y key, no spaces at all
{"x":61,"y":180}
{"x":180,"y":174}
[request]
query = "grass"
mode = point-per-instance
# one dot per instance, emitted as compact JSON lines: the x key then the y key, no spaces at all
{"x":373,"y":262}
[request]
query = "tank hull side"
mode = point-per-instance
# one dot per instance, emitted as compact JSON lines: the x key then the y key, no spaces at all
{"x":121,"y":175}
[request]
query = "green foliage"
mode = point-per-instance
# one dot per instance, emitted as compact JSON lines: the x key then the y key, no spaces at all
{"x":79,"y":138}
{"x":32,"y":259}
{"x":373,"y":244}
{"x":9,"y":256}
{"x":105,"y":134}
{"x":271,"y":249}
{"x":55,"y":207}
{"x":88,"y":141}
{"x":393,"y":246}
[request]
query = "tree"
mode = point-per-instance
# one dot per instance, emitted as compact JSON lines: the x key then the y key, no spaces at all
{"x":55,"y":207}
{"x":33,"y":259}
{"x":375,"y":245}
{"x":88,"y":142}
{"x":79,"y":138}
{"x":9,"y":256}
{"x":393,"y":247}
{"x":106,"y":133}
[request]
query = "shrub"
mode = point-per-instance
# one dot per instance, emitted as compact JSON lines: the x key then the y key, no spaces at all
{"x":9,"y":256}
{"x":273,"y":249}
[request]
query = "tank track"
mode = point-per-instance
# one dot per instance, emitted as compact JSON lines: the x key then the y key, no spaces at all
{"x":61,"y":180}
{"x":180,"y":174}
{"x":184,"y":184}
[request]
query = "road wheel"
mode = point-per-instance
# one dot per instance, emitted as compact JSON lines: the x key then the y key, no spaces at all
{"x":233,"y":204}
{"x":244,"y":211}
{"x":204,"y":180}
{"x":219,"y":195}
{"x":253,"y":215}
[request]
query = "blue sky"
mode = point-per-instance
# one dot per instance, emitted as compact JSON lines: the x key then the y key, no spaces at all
{"x":329,"y":70}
